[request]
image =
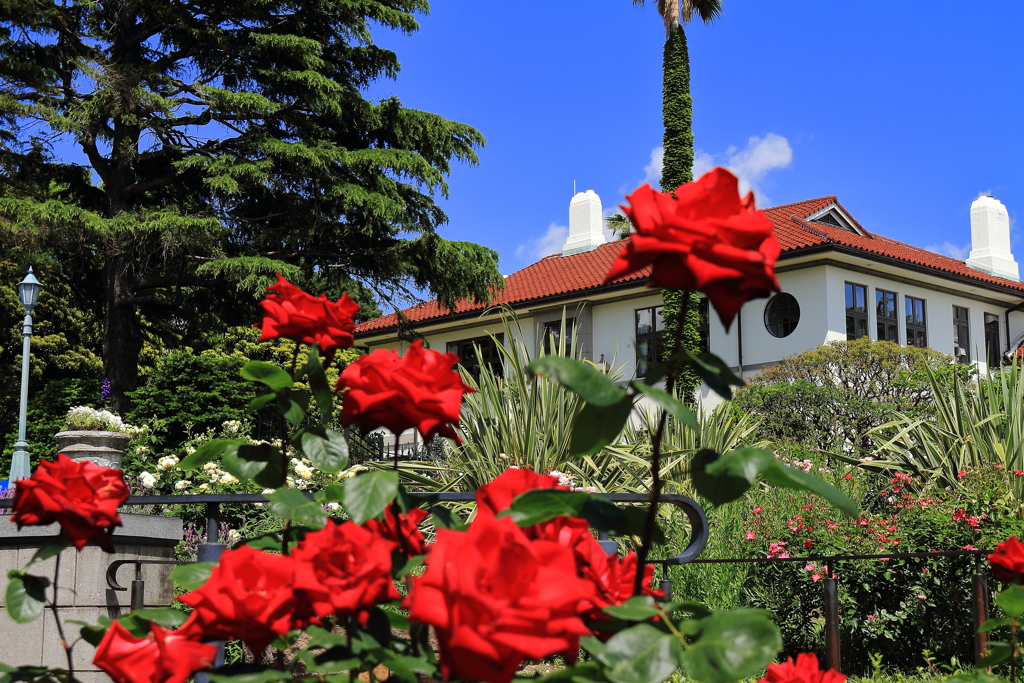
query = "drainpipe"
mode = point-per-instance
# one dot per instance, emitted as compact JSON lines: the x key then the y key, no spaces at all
{"x":1006,"y":323}
{"x":739,"y":342}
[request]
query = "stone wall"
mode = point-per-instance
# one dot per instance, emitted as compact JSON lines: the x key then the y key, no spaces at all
{"x":82,"y":585}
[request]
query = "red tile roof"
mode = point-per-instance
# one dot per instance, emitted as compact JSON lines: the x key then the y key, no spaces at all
{"x":556,"y":275}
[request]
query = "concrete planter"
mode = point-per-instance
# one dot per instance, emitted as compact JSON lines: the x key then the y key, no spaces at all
{"x":101,"y":448}
{"x":83,"y":591}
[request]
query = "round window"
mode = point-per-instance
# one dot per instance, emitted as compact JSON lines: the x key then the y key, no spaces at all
{"x":781,"y":315}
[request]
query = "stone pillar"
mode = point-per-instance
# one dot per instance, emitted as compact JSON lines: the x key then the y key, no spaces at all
{"x":82,"y":585}
{"x":105,"y":449}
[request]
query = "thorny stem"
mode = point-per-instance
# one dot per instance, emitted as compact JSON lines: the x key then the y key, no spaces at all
{"x":56,"y":618}
{"x":1013,"y":650}
{"x":652,"y":511}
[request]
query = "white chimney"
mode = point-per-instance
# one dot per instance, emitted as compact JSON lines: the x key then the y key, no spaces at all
{"x":585,"y":224}
{"x":990,"y":239}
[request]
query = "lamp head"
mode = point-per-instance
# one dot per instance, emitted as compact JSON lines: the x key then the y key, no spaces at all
{"x":28,"y":291}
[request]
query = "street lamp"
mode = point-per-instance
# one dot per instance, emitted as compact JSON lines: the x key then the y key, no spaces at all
{"x":28,"y":292}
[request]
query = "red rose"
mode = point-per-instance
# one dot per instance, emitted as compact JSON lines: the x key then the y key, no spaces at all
{"x":805,"y":670}
{"x":420,"y":389}
{"x":495,"y":598}
{"x":80,"y":496}
{"x":301,"y":317}
{"x":248,"y":596}
{"x":1008,"y":560}
{"x":612,"y":576}
{"x":159,"y":657}
{"x":345,"y":569}
{"x":498,"y":495}
{"x":705,"y":238}
{"x":404,"y":531}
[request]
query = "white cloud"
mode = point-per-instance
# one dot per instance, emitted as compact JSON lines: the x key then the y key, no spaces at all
{"x":951,"y":250}
{"x":750,"y":164}
{"x":549,"y":243}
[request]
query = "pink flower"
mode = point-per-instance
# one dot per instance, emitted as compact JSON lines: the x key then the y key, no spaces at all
{"x":1019,"y":473}
{"x":871,"y":616}
{"x":921,"y":595}
{"x":810,"y":568}
{"x":758,"y":508}
{"x":848,"y":477}
{"x":998,"y":466}
{"x":962,"y":473}
{"x":969,"y":547}
{"x":750,"y":535}
{"x":816,"y":576}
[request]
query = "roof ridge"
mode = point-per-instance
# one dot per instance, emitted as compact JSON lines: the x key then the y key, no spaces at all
{"x":833,"y":197}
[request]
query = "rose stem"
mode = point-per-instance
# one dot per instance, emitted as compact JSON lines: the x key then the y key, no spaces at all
{"x":395,"y":510}
{"x":652,"y":511}
{"x":56,"y":618}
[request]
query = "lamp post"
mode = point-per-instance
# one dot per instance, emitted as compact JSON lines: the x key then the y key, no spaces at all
{"x":28,"y":292}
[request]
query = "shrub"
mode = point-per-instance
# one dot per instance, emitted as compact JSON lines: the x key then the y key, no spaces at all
{"x":831,"y":397}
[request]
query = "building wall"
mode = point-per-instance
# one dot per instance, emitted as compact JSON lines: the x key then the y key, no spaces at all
{"x":615,"y":332}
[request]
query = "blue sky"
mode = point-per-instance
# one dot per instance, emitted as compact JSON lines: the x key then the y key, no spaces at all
{"x":905,"y":113}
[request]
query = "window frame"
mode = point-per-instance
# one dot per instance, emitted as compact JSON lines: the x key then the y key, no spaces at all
{"x":853,"y":315}
{"x":552,"y":330}
{"x":654,"y":336}
{"x":962,"y":328}
{"x":471,"y":363}
{"x":992,"y":343}
{"x":884,"y":324}
{"x":914,"y":326}
{"x":779,"y":332}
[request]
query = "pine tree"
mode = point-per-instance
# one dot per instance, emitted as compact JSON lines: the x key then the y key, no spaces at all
{"x":225,"y":141}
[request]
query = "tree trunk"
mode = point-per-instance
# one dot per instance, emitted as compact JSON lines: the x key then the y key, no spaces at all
{"x":122,"y":341}
{"x":677,"y":169}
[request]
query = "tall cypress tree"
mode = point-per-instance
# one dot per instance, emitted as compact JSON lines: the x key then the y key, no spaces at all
{"x":680,"y":306}
{"x":223,"y":141}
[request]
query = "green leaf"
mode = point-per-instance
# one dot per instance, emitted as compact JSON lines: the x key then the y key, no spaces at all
{"x":1011,"y":600}
{"x":249,"y":460}
{"x":25,"y":597}
{"x":443,"y":518}
{"x":321,"y":387}
{"x":214,"y":448}
{"x":993,"y":623}
{"x":998,"y":651}
{"x":637,"y":608}
{"x":192,"y":576}
{"x":724,"y":478}
{"x":582,"y":672}
{"x":596,"y":426}
{"x":540,"y":505}
{"x":52,"y":546}
{"x":368,"y":493}
{"x":332,"y":493}
{"x":406,"y":667}
{"x":271,"y":541}
{"x":640,"y":654}
{"x":670,"y":405}
{"x":248,"y":673}
{"x":791,"y":478}
{"x":581,"y":378}
{"x":167,"y":617}
{"x":973,"y":676}
{"x":326,"y":448}
{"x":713,"y":370}
{"x":266,"y":373}
{"x":290,"y":407}
{"x":92,"y":634}
{"x":410,"y":565}
{"x":291,"y":504}
{"x":732,"y":645}
{"x":260,"y":401}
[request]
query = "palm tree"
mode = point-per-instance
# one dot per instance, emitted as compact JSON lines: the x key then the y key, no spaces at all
{"x":677,"y":115}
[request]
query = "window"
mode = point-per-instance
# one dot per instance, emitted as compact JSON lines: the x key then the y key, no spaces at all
{"x":781,"y":315}
{"x":886,"y":317}
{"x":489,"y":355}
{"x":650,"y":328}
{"x":553,"y":336}
{"x":856,"y":311}
{"x":961,"y":334}
{"x":916,"y":335}
{"x":992,"y":340}
{"x":704,"y":324}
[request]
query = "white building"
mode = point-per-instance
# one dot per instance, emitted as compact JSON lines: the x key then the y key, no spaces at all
{"x":839,"y":281}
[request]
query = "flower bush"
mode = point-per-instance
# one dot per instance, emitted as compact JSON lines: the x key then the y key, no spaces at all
{"x":525,"y":579}
{"x":85,"y":418}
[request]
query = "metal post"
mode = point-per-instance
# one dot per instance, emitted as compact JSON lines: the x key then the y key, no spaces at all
{"x":211,"y":552}
{"x":666,"y":583}
{"x":980,"y":610}
{"x":832,"y":655}
{"x":138,"y":589}
{"x":20,"y":459}
{"x":608,"y":545}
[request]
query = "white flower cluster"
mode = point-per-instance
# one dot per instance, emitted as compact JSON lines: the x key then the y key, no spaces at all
{"x":563,"y":479}
{"x":148,"y":480}
{"x":85,"y":418}
{"x":166,"y":462}
{"x":302,"y":468}
{"x":217,"y":475}
{"x":351,"y":472}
